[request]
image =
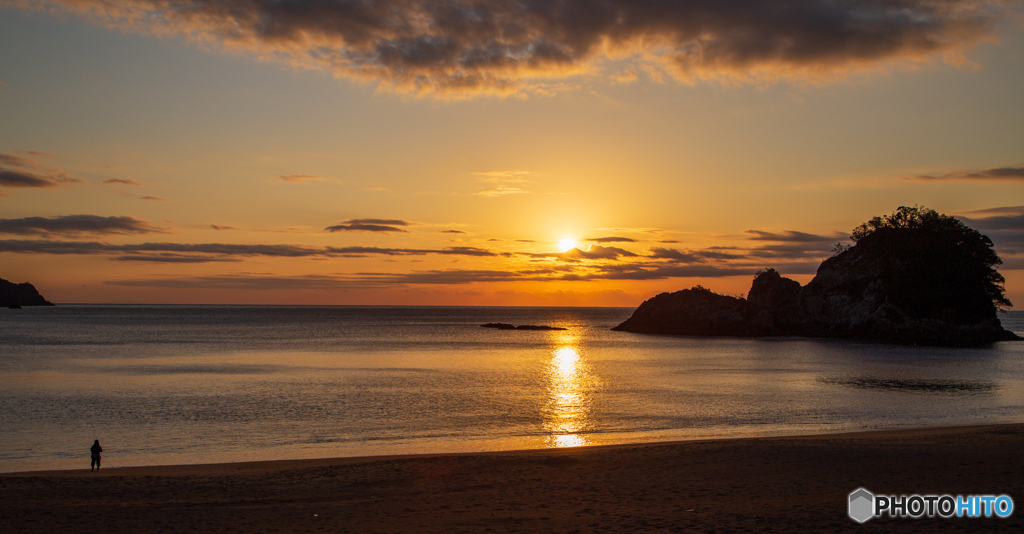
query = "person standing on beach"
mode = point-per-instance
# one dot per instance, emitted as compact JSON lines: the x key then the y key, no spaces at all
{"x":96,"y":450}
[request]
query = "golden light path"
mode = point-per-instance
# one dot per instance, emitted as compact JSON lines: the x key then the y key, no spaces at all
{"x":571,"y":383}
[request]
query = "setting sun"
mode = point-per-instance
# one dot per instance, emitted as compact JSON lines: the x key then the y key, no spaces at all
{"x":566,"y":244}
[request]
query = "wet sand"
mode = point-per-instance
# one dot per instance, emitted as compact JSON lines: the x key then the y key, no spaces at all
{"x":786,"y":484}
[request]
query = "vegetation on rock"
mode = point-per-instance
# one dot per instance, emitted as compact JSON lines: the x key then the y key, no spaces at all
{"x":915,"y":276}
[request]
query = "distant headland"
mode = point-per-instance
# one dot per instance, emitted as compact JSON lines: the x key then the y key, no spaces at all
{"x":915,"y":276}
{"x":17,"y":295}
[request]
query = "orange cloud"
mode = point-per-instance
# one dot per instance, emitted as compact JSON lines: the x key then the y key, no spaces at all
{"x":467,"y":47}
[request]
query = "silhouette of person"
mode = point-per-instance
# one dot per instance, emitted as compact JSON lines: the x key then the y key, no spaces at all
{"x":96,"y":450}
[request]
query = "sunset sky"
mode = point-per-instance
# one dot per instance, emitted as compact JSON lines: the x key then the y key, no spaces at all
{"x":440,"y":152}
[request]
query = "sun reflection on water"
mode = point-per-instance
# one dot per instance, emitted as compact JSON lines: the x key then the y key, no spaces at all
{"x":567,"y":415}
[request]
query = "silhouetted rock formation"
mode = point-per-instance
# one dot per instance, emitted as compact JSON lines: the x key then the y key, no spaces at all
{"x":913,"y":277}
{"x":699,"y":312}
{"x":506,"y":326}
{"x":779,"y":297}
{"x":16,"y":295}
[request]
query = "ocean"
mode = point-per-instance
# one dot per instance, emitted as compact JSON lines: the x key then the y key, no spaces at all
{"x":162,"y":385}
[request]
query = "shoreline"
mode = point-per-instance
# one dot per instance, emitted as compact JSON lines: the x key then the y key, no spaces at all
{"x":267,"y":466}
{"x":757,"y":484}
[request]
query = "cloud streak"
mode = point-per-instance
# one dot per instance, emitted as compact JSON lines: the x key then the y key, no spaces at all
{"x":20,"y":177}
{"x":792,"y":236}
{"x":369,"y":225}
{"x":441,"y":277}
{"x":11,"y":159}
{"x":991,"y":174}
{"x":502,"y":190}
{"x":121,"y":181}
{"x":1005,"y":227}
{"x":77,"y":225}
{"x":611,"y":239}
{"x":505,"y":182}
{"x":692,"y":256}
{"x":463,"y":47}
{"x":198,"y":252}
{"x":594,"y":252}
{"x":299,"y":178}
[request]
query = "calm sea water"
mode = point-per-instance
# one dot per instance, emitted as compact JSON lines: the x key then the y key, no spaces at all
{"x":195,"y":384}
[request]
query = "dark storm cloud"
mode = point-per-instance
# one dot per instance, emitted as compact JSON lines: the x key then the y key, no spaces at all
{"x":76,"y":224}
{"x":369,"y":225}
{"x":991,"y":174}
{"x":611,"y":239}
{"x":498,"y":46}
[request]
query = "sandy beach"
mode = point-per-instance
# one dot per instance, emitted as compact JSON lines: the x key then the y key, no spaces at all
{"x":786,"y":484}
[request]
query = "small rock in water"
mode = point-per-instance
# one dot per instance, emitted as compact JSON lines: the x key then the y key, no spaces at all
{"x":506,"y":326}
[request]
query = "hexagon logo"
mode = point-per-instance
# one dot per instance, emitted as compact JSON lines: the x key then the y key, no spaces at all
{"x":862,"y":504}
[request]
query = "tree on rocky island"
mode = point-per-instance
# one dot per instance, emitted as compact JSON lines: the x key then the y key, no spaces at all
{"x":940,"y":263}
{"x":915,"y":276}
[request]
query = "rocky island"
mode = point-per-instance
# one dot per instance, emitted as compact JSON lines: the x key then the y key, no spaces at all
{"x":915,"y":276}
{"x":506,"y":326}
{"x":17,"y":295}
